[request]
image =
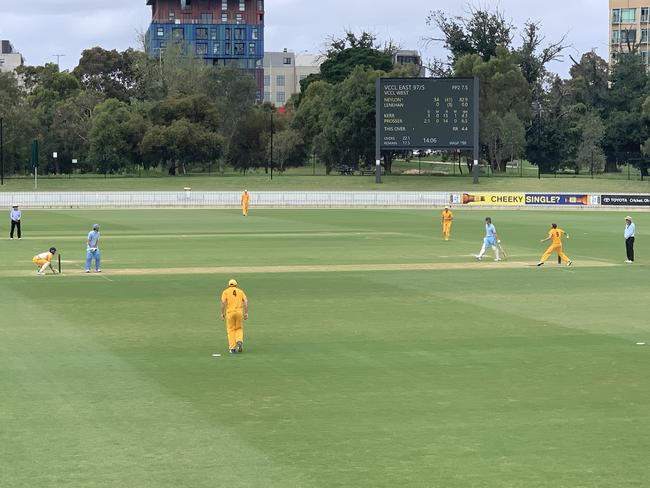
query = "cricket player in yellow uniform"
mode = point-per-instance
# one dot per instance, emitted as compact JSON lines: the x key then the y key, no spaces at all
{"x":234,"y":310}
{"x":44,"y":261}
{"x":245,"y":197}
{"x":556,"y":246}
{"x":447,"y":218}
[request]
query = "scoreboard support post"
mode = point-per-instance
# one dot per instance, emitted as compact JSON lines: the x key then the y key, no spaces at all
{"x":377,"y":139}
{"x":476,"y":169}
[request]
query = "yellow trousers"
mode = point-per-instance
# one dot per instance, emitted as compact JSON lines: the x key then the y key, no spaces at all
{"x":244,"y":209}
{"x":554,"y":248}
{"x":235,"y":328}
{"x":446,"y":229}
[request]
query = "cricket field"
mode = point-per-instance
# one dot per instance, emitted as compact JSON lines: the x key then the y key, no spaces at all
{"x":376,"y":354}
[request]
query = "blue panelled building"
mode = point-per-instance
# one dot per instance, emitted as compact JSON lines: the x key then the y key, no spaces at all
{"x":219,"y":31}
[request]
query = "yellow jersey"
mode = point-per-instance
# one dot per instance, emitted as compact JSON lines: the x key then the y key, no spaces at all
{"x":447,"y":216}
{"x":244,"y":198}
{"x":234,"y":299}
{"x":44,"y":256}
{"x":556,"y":235}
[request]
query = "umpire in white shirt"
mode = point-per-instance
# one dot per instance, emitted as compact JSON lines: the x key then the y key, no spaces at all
{"x":630,"y":229}
{"x":15,"y":221}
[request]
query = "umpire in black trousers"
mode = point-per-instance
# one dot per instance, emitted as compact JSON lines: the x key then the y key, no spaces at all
{"x":15,"y":221}
{"x":630,"y":230}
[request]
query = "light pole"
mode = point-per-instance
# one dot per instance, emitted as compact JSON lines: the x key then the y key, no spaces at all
{"x":58,"y":59}
{"x":271,"y":146}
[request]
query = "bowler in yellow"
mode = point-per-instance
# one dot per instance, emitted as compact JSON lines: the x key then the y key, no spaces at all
{"x":447,"y":218}
{"x":245,"y":198}
{"x":555,"y":234}
{"x":44,"y":261}
{"x":234,"y":310}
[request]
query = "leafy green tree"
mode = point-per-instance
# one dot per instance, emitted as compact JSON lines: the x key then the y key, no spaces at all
{"x":19,"y":123}
{"x":70,"y":132}
{"x":626,"y":129}
{"x":289,"y":149}
{"x":110,"y":73}
{"x":589,"y":82}
{"x":503,"y":89}
{"x":629,"y":84}
{"x":182,"y":132}
{"x":349,"y":52}
{"x":549,"y":139}
{"x":109,"y":147}
{"x":248,"y":146}
{"x":180,"y":72}
{"x":311,"y":113}
{"x":491,"y":131}
{"x":180,"y":145}
{"x":348,"y":129}
{"x":513,"y":135}
{"x":48,"y":88}
{"x":234,"y":95}
{"x":480,"y":32}
{"x":198,"y":109}
{"x":590,"y":155}
{"x":533,"y":56}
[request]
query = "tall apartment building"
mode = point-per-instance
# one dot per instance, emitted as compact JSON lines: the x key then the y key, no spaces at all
{"x":410,"y":57}
{"x":9,"y":58}
{"x":629,"y":21}
{"x":219,"y":31}
{"x":283,"y":72}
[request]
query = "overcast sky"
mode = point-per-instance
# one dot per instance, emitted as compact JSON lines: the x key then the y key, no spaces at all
{"x":39,"y":29}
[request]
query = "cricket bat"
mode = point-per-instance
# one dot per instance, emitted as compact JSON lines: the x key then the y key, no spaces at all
{"x":503,"y":251}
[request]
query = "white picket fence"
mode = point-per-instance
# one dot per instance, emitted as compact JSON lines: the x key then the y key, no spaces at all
{"x":200,"y":199}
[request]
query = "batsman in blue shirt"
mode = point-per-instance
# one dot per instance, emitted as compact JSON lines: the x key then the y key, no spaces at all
{"x":491,"y":240}
{"x":92,"y":249}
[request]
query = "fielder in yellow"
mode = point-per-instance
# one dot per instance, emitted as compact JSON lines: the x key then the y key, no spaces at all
{"x":44,"y":261}
{"x":234,"y":310}
{"x":447,"y":218}
{"x":556,"y":246}
{"x":245,"y":198}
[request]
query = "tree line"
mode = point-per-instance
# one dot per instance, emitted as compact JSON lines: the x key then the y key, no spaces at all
{"x":595,"y":120}
{"x":120,"y":111}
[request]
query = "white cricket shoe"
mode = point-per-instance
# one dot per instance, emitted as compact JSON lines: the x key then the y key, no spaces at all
{"x":497,"y":259}
{"x":479,"y":258}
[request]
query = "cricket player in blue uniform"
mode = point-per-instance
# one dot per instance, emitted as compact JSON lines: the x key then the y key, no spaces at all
{"x":491,"y":239}
{"x":92,"y":249}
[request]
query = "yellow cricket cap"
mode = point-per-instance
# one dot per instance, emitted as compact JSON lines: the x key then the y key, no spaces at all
{"x":232,"y":282}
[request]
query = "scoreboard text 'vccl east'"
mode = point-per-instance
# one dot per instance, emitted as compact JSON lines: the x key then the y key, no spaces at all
{"x":427,"y":113}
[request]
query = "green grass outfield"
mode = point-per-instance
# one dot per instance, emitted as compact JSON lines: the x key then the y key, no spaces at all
{"x":301,"y":182}
{"x":376,"y":354}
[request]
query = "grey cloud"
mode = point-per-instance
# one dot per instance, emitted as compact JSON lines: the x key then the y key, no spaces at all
{"x":40,"y":28}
